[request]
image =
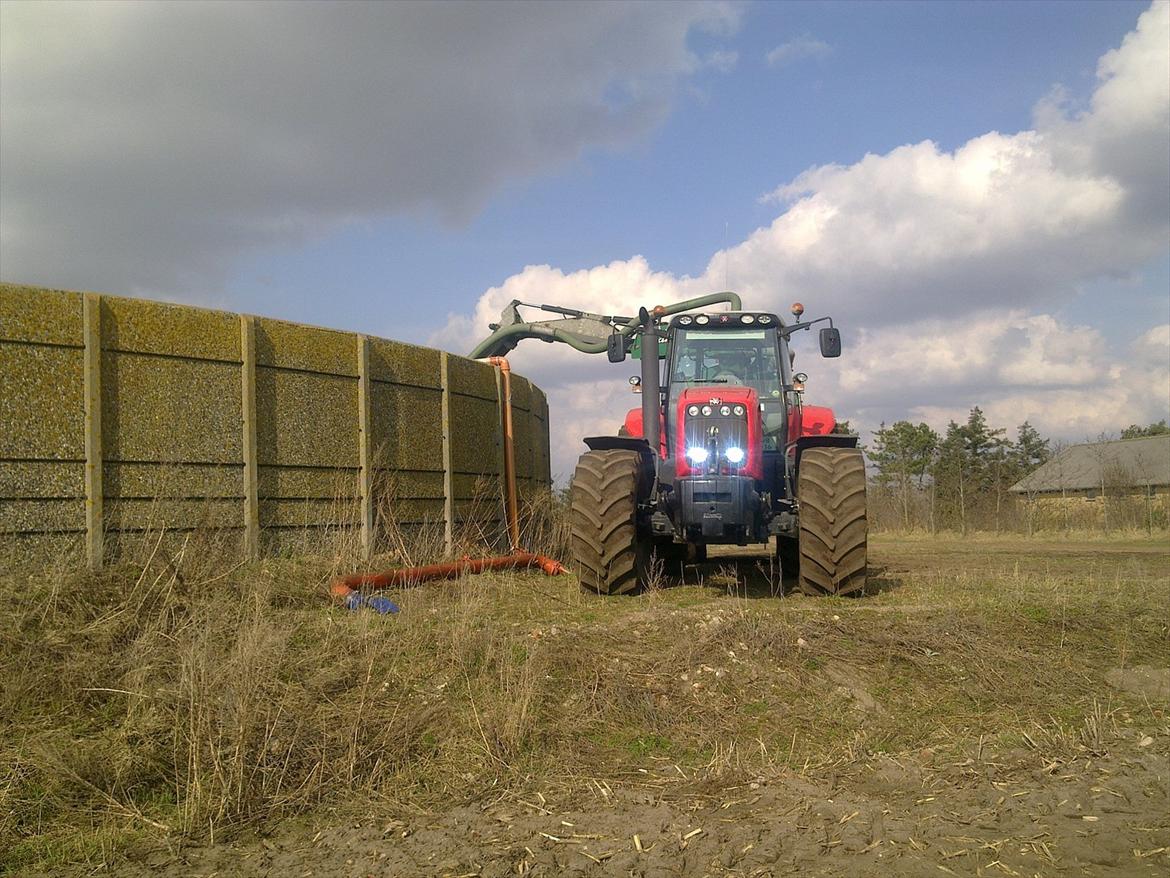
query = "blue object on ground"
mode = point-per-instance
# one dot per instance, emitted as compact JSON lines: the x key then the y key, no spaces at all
{"x":381,"y":604}
{"x":377,"y":603}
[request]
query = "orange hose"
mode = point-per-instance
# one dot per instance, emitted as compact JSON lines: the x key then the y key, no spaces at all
{"x":343,"y":586}
{"x":512,"y":506}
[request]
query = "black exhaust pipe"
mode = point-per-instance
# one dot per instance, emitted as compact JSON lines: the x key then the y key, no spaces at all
{"x":651,"y":387}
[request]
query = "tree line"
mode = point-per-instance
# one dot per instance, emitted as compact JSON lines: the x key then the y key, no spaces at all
{"x":960,"y":479}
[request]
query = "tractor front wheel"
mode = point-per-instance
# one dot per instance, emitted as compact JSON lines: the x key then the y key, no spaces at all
{"x":830,"y":487}
{"x":608,"y":555}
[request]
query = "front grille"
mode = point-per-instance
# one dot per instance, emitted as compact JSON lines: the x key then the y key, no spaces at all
{"x":716,"y":433}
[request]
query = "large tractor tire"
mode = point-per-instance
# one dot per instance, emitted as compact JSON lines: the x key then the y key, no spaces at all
{"x":831,"y":490}
{"x":608,"y":556}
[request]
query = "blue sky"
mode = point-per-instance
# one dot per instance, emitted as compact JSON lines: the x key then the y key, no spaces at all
{"x":895,"y":73}
{"x":978,"y":192}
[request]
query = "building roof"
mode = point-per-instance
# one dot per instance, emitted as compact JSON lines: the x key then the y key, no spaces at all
{"x":1128,"y":462}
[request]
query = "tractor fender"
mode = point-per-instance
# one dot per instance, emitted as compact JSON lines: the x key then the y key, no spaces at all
{"x":831,"y":440}
{"x":633,"y":427}
{"x":629,"y":443}
{"x":825,"y":440}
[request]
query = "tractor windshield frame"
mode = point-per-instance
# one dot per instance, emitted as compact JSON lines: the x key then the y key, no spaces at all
{"x":709,"y":355}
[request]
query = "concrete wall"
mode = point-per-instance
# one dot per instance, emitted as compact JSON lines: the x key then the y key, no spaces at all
{"x":119,"y":416}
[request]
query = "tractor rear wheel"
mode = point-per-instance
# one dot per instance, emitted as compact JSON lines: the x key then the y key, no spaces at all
{"x":831,"y":490}
{"x":608,"y":556}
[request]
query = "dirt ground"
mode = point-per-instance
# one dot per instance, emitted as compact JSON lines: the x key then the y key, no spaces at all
{"x":990,"y":707}
{"x":909,"y":817}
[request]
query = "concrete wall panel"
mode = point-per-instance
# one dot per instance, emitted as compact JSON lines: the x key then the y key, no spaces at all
{"x":475,"y":436}
{"x":52,"y":515}
{"x":486,"y":489}
{"x":471,"y":378}
{"x":308,"y":512}
{"x":521,"y":393}
{"x":305,"y":419}
{"x":141,"y":326}
{"x":293,"y":346}
{"x":300,"y":482}
{"x":172,"y":514}
{"x":28,"y":479}
{"x":170,"y":410}
{"x":407,"y":427}
{"x":30,"y":314}
{"x":41,"y":406}
{"x":179,"y":480}
{"x":395,"y":513}
{"x":398,"y":363}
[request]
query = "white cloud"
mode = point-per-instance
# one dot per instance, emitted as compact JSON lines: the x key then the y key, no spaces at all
{"x":147,"y":145}
{"x":971,"y":246}
{"x":798,"y":49}
{"x":1064,"y":379}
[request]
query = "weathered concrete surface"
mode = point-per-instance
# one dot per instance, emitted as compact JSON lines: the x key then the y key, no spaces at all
{"x":172,"y":427}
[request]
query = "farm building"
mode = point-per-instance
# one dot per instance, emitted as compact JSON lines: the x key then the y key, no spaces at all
{"x":1096,"y":468}
{"x":1123,"y":483}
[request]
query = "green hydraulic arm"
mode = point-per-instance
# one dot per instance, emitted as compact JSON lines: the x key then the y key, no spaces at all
{"x":586,"y":332}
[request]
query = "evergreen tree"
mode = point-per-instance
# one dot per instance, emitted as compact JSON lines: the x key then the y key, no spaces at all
{"x":981,"y":441}
{"x":902,"y":453}
{"x":1032,"y":450}
{"x":951,"y":474}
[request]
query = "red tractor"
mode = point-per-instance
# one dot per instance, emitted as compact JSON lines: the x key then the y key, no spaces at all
{"x":722,"y":450}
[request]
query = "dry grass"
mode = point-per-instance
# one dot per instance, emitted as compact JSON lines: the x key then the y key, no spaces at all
{"x":182,"y":696}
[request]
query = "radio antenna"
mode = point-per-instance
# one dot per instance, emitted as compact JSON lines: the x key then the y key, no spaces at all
{"x":726,"y":283}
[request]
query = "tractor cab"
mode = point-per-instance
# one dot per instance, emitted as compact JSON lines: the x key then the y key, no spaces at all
{"x":712,"y":361}
{"x":721,"y":357}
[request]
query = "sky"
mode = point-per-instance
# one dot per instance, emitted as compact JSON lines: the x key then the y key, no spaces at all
{"x":978,"y":193}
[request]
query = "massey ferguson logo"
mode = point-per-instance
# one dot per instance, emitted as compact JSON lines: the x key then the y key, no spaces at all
{"x":715,"y":400}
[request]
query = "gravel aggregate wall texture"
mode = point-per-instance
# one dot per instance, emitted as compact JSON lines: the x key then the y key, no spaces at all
{"x":172,"y":418}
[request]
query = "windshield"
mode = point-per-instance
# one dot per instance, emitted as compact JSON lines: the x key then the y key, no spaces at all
{"x":745,"y":357}
{"x":727,"y":357}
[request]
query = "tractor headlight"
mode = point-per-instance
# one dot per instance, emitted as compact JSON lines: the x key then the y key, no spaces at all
{"x":740,"y":411}
{"x":725,"y":411}
{"x":706,"y":411}
{"x":734,"y":455}
{"x":693,"y":411}
{"x":697,"y":454}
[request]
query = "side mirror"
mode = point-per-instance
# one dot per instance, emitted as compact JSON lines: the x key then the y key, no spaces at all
{"x":615,"y":348}
{"x":830,"y":342}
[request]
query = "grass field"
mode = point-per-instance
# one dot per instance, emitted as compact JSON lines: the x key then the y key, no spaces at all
{"x":994,"y":706}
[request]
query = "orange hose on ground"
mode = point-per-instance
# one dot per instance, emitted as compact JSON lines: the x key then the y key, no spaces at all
{"x":343,"y":586}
